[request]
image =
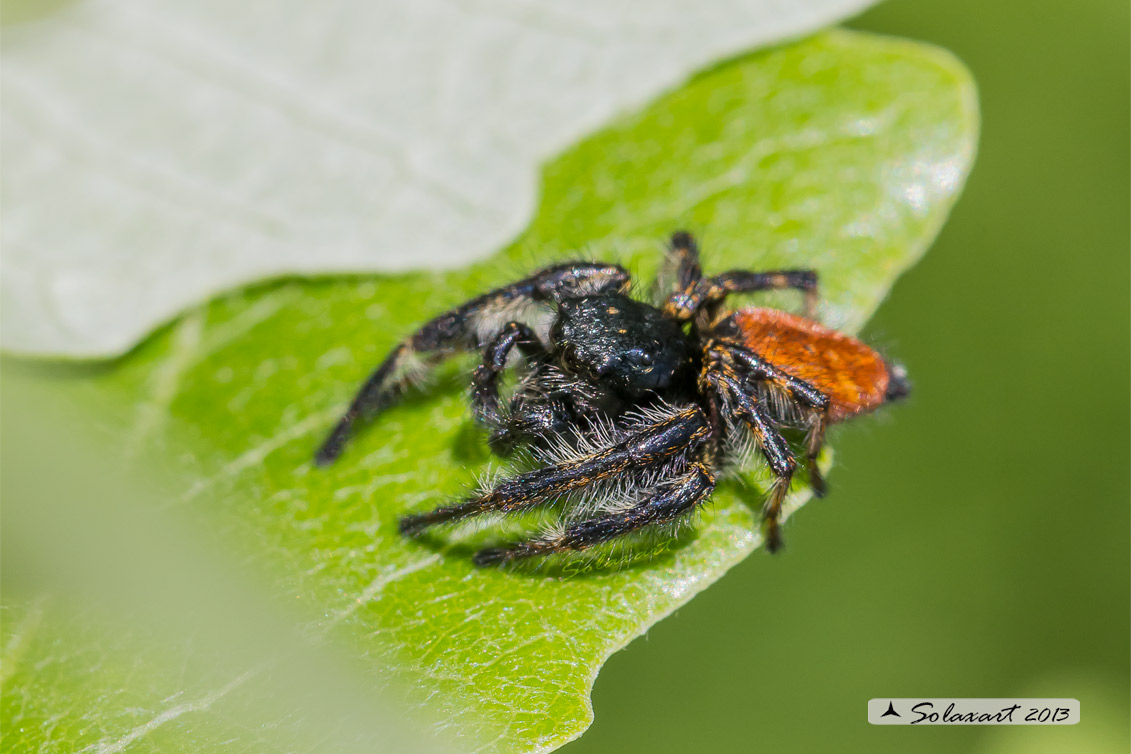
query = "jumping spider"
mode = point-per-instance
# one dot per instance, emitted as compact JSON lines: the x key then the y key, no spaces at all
{"x":634,"y":409}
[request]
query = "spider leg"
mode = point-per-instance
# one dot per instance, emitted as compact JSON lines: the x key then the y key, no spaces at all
{"x":528,"y":416}
{"x":709,"y":292}
{"x":685,"y":256}
{"x":752,"y":364}
{"x":817,"y":403}
{"x":665,"y":504}
{"x":485,"y":381}
{"x":813,"y":445}
{"x":464,"y":328}
{"x":725,"y":386}
{"x":650,"y":445}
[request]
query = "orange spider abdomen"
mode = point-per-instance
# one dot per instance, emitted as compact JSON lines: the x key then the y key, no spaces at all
{"x":853,"y":376}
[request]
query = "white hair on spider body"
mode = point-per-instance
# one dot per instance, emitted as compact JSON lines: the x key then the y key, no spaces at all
{"x":536,"y":315}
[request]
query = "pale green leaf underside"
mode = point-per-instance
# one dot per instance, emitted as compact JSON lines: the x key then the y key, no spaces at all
{"x":843,"y":153}
{"x":235,"y":147}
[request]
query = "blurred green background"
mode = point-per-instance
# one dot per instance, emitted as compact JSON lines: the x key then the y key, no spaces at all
{"x":977,"y":539}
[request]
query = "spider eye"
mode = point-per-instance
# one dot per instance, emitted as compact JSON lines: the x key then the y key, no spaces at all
{"x":640,"y":357}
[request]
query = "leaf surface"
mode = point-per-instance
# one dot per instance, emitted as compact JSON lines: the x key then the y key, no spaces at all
{"x":842,"y":153}
{"x":159,"y":153}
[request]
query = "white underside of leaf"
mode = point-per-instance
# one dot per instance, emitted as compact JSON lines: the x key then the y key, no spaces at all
{"x":158,"y":153}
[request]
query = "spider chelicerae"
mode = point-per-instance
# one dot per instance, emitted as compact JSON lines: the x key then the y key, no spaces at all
{"x":634,"y":410}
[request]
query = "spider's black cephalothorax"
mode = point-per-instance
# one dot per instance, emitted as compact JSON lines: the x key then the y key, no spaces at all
{"x":628,"y":346}
{"x":633,"y":408}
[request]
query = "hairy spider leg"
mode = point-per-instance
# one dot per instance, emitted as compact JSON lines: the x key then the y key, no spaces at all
{"x":680,"y":269}
{"x":685,"y":253}
{"x":485,"y":382}
{"x":461,"y":329}
{"x":726,"y":386}
{"x":751,"y":364}
{"x":544,"y":416}
{"x":651,"y":445}
{"x":708,"y":293}
{"x":663,"y":504}
{"x":813,"y":444}
{"x":852,"y":377}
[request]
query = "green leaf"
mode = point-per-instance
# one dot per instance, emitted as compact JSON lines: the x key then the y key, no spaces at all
{"x":842,"y":152}
{"x":422,"y":129}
